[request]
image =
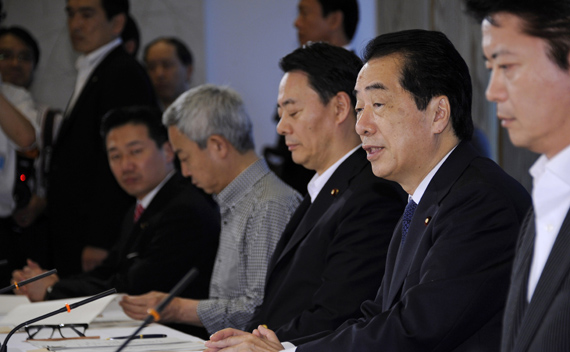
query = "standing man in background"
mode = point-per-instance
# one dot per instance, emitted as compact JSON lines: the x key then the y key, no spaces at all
{"x":527,"y":49}
{"x":85,"y":203}
{"x":169,"y":65}
{"x":331,"y":21}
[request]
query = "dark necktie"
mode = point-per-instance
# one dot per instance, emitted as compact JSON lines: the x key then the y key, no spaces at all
{"x":407,"y":218}
{"x":138,"y":212}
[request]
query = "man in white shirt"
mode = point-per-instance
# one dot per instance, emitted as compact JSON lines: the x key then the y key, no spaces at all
{"x":527,"y":48}
{"x":84,"y":202}
{"x":17,"y":133}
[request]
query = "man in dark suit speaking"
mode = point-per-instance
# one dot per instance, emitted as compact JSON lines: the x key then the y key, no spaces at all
{"x":85,"y":205}
{"x":527,"y":48}
{"x":448,"y":264}
{"x":172,"y":228}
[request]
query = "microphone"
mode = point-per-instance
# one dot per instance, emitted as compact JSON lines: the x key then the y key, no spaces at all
{"x":154,"y":314}
{"x":17,"y":285}
{"x":66,"y":308}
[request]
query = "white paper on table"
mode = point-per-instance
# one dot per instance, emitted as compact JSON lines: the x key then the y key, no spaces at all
{"x":8,"y":302}
{"x":80,"y":315}
{"x":159,"y":344}
{"x":113,"y":313}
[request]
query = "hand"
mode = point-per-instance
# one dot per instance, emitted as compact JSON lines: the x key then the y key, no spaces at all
{"x":136,"y":307}
{"x":36,"y":290}
{"x":180,"y":310}
{"x":228,"y":340}
{"x":92,"y":257}
{"x":26,"y":216}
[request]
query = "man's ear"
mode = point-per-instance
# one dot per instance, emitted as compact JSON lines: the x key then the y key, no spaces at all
{"x":217,"y":145}
{"x":335,"y":19}
{"x":342,"y":106}
{"x":168,"y":151}
{"x":119,"y":22}
{"x":189,"y":70}
{"x":441,"y":112}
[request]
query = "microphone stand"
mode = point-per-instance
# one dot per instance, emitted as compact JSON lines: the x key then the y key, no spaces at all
{"x":154,"y":314}
{"x":68,"y":308}
{"x":25,"y":282}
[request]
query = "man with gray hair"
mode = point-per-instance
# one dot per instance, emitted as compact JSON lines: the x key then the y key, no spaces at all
{"x":212,"y":135}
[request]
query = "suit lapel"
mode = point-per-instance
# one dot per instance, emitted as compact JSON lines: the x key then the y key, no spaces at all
{"x":553,"y":274}
{"x":400,"y":258}
{"x":404,"y":255}
{"x":160,"y":200}
{"x":292,"y":225}
{"x":516,"y":300}
{"x":85,"y":93}
{"x":332,"y":190}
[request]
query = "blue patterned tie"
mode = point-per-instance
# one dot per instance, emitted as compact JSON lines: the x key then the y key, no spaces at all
{"x":407,"y":219}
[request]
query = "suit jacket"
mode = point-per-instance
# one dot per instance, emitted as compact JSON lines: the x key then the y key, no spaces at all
{"x":331,"y":255}
{"x":178,"y":230}
{"x":445,"y":288}
{"x":542,"y":324}
{"x":85,"y":203}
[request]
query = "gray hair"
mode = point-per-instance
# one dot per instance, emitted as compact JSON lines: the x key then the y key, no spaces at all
{"x":207,"y":110}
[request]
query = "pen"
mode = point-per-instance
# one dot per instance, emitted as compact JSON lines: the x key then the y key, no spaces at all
{"x":147,"y":336}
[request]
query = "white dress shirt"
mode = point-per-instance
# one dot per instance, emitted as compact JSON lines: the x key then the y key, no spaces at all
{"x":85,"y":65}
{"x":551,"y":201}
{"x":318,"y":181}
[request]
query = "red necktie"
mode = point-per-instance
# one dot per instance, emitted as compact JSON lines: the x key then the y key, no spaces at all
{"x":138,"y":212}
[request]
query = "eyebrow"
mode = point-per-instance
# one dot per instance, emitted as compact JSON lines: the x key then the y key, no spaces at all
{"x":498,"y":53}
{"x":285,"y":103}
{"x":373,"y":86}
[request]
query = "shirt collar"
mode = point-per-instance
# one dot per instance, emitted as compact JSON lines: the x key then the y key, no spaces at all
{"x":241,"y":185}
{"x":421,"y":189}
{"x":150,"y":196}
{"x":557,"y":165}
{"x":94,"y":57}
{"x":318,"y":181}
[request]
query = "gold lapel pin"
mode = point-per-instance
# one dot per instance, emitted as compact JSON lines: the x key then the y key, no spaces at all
{"x":334,"y":191}
{"x":427,"y":220}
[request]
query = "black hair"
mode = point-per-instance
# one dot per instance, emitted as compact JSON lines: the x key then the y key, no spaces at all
{"x":330,"y":69}
{"x":137,"y":115}
{"x":113,"y":8}
{"x":24,"y":36}
{"x":349,"y":9}
{"x":431,"y":66}
{"x":182,"y":51}
{"x":545,"y":19}
{"x":131,"y":32}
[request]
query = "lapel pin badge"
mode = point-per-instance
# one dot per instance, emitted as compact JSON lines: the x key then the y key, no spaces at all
{"x":334,"y":191}
{"x":427,"y":220}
